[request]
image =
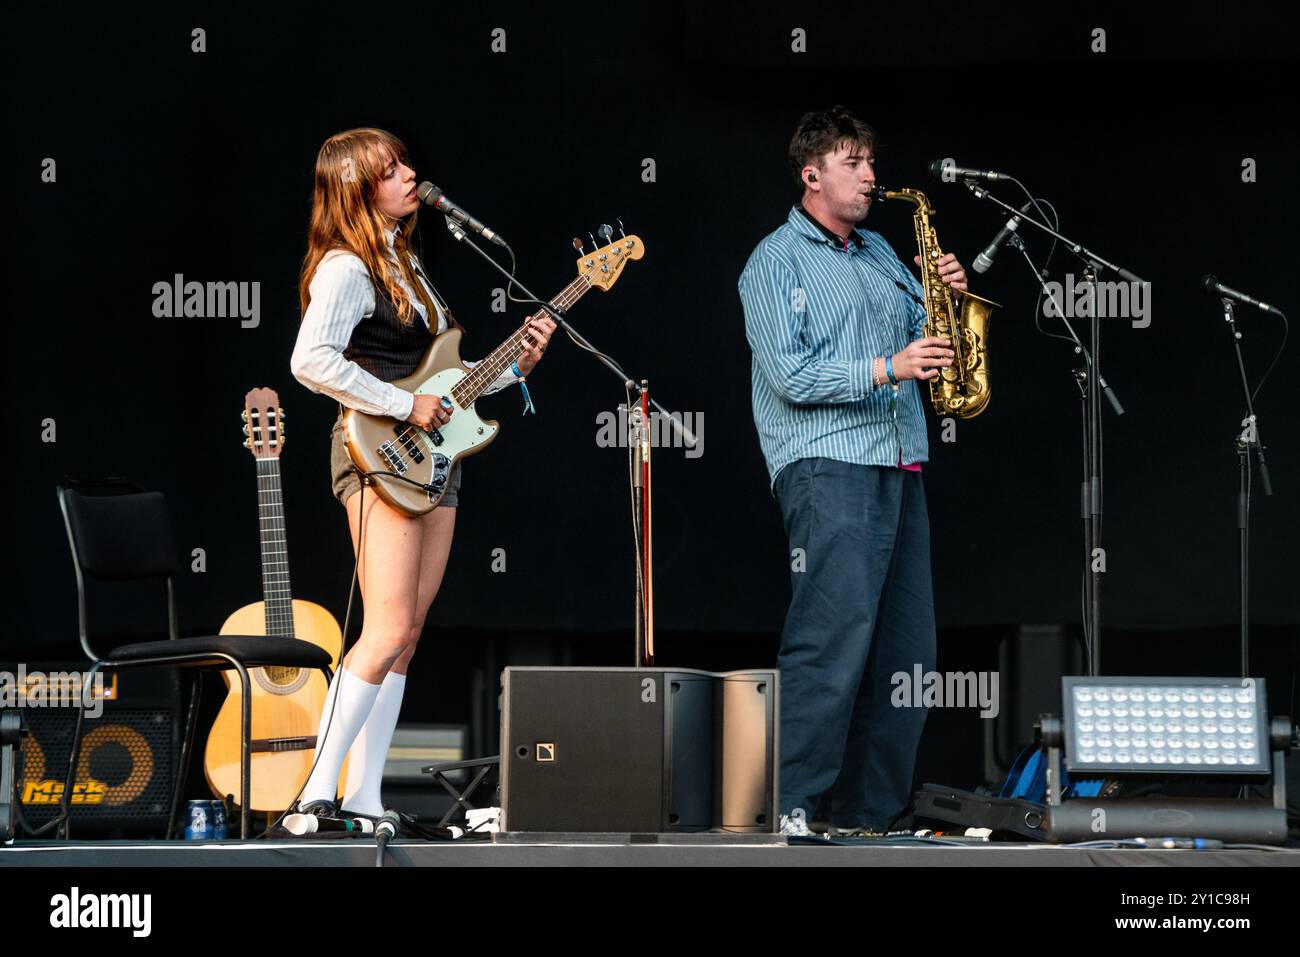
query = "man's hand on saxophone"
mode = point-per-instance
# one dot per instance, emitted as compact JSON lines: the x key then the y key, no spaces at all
{"x":950,"y":271}
{"x":921,"y":359}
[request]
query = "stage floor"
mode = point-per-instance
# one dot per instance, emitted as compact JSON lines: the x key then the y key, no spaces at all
{"x":605,"y":850}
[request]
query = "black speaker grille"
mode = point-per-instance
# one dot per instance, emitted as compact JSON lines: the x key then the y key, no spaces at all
{"x":124,"y":774}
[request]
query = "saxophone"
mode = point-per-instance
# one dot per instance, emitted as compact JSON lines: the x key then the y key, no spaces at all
{"x":961,"y":389}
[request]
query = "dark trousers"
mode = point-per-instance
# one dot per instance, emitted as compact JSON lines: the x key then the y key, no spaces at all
{"x":862,"y":610}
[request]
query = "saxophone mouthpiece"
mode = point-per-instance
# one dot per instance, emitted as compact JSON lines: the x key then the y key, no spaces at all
{"x":879,"y":192}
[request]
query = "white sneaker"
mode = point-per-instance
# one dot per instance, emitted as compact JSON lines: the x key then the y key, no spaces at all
{"x":794,"y":826}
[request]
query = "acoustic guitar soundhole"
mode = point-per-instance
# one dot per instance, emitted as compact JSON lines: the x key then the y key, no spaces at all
{"x":281,"y":676}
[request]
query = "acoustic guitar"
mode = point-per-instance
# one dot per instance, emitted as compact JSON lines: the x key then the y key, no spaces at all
{"x":287,"y":702}
{"x":409,"y":465}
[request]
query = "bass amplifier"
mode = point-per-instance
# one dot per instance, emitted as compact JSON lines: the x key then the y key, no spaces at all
{"x":638,"y":750}
{"x":124,"y":776}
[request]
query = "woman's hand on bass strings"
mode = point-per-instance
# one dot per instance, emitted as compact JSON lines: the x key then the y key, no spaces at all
{"x":429,"y":412}
{"x":538,"y":335}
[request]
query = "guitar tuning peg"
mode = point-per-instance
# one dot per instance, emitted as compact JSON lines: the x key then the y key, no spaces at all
{"x":244,"y":415}
{"x":605,"y":232}
{"x":246,"y":444}
{"x":621,"y":233}
{"x":577,"y":244}
{"x":280,"y":412}
{"x":594,"y":245}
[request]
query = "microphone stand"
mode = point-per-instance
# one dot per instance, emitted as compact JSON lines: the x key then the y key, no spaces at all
{"x":639,"y":460}
{"x":1092,"y":384}
{"x":644,"y":650}
{"x":1248,"y":439}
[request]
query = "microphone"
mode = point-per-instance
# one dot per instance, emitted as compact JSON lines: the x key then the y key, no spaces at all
{"x":300,"y":824}
{"x":435,"y":197}
{"x":389,"y":824}
{"x":939,"y":169}
{"x":1212,"y":287}
{"x":985,"y":259}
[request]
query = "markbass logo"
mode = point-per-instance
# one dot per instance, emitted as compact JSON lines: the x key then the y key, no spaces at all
{"x":51,"y":792}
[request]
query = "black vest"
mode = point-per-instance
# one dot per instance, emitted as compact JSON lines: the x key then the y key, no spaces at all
{"x":383,"y":346}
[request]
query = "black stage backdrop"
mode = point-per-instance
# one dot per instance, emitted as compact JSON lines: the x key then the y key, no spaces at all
{"x":170,"y":161}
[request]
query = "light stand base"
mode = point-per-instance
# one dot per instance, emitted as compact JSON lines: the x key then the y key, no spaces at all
{"x":1227,"y":820}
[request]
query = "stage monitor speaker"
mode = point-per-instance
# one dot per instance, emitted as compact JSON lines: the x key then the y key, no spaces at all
{"x":638,"y":750}
{"x":125,"y":773}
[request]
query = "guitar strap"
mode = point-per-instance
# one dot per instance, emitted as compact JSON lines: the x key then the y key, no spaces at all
{"x":442,"y":303}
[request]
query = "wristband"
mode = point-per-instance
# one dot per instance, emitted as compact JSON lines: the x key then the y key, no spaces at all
{"x":889,"y":370}
{"x":523,"y":387}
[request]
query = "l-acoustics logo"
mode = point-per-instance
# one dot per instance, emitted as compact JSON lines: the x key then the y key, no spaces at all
{"x":545,"y":751}
{"x":76,"y":910}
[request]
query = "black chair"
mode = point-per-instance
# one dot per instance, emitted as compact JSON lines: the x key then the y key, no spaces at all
{"x":123,"y":534}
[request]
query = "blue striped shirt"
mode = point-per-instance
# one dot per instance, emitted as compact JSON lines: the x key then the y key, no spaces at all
{"x":816,"y":312}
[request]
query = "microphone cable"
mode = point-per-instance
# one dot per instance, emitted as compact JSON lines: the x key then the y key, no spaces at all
{"x":322,"y":733}
{"x":347,"y":617}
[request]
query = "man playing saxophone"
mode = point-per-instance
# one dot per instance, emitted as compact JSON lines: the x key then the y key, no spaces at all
{"x":834,"y":321}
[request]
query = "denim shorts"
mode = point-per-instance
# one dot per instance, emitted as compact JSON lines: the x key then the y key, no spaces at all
{"x":346,"y":480}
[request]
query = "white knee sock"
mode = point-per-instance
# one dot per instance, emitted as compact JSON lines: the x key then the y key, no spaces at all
{"x":370,"y":750}
{"x":346,"y":706}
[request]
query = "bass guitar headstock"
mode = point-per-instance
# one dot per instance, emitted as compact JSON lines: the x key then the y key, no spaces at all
{"x":604,"y":264}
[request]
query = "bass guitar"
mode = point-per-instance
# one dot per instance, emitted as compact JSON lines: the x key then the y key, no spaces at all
{"x":408,"y":465}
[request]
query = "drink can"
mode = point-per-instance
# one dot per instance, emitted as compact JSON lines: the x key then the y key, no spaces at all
{"x":198,"y":821}
{"x":220,"y":829}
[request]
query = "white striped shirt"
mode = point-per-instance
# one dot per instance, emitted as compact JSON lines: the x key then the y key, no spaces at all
{"x":341,"y":296}
{"x":817,"y":312}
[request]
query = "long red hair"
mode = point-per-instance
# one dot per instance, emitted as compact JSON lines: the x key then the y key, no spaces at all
{"x":348,"y":170}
